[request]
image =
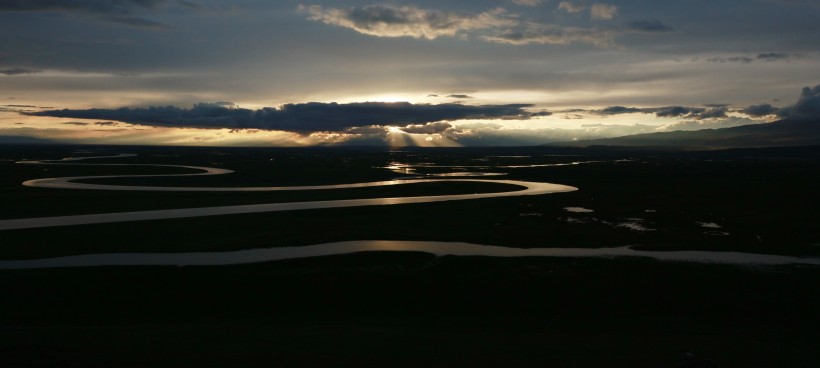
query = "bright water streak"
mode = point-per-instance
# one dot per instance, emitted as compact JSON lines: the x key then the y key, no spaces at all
{"x":436,"y":248}
{"x":528,"y":188}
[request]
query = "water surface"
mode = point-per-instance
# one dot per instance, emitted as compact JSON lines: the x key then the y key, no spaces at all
{"x":436,"y":248}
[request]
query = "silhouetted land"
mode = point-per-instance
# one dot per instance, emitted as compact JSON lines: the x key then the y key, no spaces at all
{"x":791,"y":132}
{"x":762,"y":199}
{"x":412,"y":309}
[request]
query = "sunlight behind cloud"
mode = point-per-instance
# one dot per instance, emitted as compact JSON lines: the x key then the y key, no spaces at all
{"x":398,"y":138}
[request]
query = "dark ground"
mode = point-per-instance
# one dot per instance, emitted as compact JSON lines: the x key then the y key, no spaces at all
{"x":763,"y":199}
{"x":408,"y":310}
{"x":412,"y":309}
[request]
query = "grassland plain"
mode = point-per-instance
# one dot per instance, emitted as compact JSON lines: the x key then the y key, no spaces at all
{"x":762,"y":201}
{"x":410,"y":309}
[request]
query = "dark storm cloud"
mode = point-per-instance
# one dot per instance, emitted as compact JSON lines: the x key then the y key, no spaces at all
{"x":648,"y":26}
{"x":759,"y":110}
{"x":713,"y":113}
{"x":19,"y":71}
{"x":459,"y":96}
{"x":808,"y":105}
{"x":615,"y":110}
{"x":676,"y":111}
{"x":302,"y":118}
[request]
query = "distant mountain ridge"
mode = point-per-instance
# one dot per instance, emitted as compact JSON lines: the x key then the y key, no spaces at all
{"x":787,"y":132}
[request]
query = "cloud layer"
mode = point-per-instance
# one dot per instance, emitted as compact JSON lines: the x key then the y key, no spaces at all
{"x":303,"y":118}
{"x":91,"y":6}
{"x":19,"y":71}
{"x":648,"y":26}
{"x":407,"y":21}
{"x":115,"y":11}
{"x":496,"y":25}
{"x":571,"y":7}
{"x":698,"y":113}
{"x":808,"y":105}
{"x":603,"y":11}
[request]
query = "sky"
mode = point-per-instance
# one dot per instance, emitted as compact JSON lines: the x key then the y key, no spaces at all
{"x":429,"y":73}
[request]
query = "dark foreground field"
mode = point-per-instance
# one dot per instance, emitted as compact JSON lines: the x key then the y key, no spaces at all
{"x":409,"y":310}
{"x":412,"y":309}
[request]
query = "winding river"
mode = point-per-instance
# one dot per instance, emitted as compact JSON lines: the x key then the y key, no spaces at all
{"x":527,"y":188}
{"x":281,"y":253}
